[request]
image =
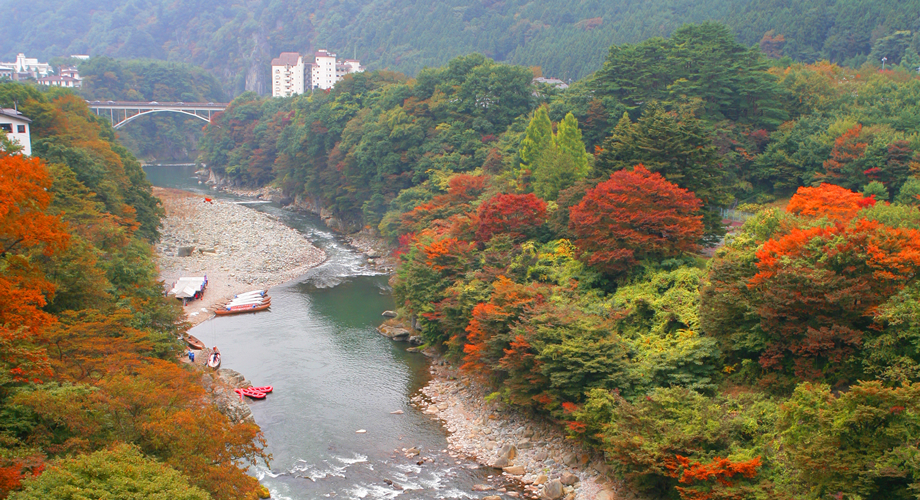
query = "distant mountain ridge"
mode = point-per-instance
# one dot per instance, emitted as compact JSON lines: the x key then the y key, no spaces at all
{"x":567,"y":38}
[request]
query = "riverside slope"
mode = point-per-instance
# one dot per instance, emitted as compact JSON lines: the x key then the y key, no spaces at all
{"x":238,"y":248}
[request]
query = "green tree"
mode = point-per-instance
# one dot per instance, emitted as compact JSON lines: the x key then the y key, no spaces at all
{"x":121,"y":472}
{"x":875,"y":189}
{"x":562,"y":162}
{"x":538,"y":140}
{"x":908,"y":195}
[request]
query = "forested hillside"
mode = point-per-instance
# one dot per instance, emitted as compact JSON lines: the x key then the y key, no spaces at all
{"x":556,"y":245}
{"x":568,"y":39}
{"x":92,"y":398}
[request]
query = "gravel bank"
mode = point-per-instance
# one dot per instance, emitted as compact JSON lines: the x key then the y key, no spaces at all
{"x":536,"y":453}
{"x":239,"y":249}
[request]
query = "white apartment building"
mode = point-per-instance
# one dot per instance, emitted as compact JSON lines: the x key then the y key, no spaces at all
{"x":291,"y":75}
{"x":323,"y":72}
{"x":16,"y":127}
{"x":288,"y":75}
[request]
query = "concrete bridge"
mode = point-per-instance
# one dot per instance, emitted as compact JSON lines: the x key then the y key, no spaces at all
{"x":124,"y":112}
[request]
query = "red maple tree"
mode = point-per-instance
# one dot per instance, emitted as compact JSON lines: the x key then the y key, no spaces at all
{"x":516,"y":215}
{"x":632,"y":216}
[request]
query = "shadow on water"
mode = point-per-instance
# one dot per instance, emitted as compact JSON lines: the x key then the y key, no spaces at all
{"x":334,"y":375}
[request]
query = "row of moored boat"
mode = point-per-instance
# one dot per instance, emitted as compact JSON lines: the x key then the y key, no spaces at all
{"x":257,"y":300}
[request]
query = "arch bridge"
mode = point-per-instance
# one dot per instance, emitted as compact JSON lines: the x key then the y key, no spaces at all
{"x":123,"y":112}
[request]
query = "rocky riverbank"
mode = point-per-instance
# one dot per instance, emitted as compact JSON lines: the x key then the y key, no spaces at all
{"x":535,"y":453}
{"x":237,"y":248}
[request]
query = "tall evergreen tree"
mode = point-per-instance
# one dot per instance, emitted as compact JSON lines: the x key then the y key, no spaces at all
{"x":539,"y":138}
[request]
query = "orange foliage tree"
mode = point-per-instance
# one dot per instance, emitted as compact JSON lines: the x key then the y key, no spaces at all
{"x":489,"y":332}
{"x":819,"y":289}
{"x":27,"y":232}
{"x":632,"y":216}
{"x":828,"y":200}
{"x":716,"y":477}
{"x":461,"y":191}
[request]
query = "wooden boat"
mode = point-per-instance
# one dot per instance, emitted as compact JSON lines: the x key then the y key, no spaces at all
{"x":214,"y":359}
{"x":194,"y":343}
{"x":243,"y":308}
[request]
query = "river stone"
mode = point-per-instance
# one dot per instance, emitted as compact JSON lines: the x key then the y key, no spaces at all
{"x":606,"y":495}
{"x":540,"y":456}
{"x":540,"y":479}
{"x":416,"y":340}
{"x":481,"y":487}
{"x":568,"y":479}
{"x":524,"y":444}
{"x":492,"y":497}
{"x":501,"y":462}
{"x":508,"y":451}
{"x":389,"y":314}
{"x":184,"y":251}
{"x":553,"y":490}
{"x":514,"y":470}
{"x":571,"y":460}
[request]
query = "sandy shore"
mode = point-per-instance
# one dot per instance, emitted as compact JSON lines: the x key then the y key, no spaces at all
{"x":237,"y":248}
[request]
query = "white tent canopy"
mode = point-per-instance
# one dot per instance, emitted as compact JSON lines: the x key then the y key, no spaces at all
{"x":186,"y":288}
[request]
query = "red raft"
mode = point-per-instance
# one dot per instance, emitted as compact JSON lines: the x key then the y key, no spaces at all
{"x":254,"y":392}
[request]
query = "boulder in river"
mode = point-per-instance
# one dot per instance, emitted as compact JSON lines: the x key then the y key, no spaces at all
{"x":397,"y":333}
{"x":389,"y":314}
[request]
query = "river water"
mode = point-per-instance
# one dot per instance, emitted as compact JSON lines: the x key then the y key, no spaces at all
{"x":334,"y":375}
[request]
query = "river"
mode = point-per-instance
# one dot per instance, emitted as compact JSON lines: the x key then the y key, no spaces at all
{"x":334,"y":375}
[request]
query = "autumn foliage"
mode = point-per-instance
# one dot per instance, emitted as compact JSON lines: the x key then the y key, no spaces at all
{"x":515,"y":215}
{"x":820,"y":288}
{"x":488,"y":334}
{"x":848,"y":150}
{"x":632,"y":216}
{"x":828,"y":200}
{"x":720,"y":471}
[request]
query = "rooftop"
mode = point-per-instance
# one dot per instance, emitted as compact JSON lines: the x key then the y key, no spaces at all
{"x":286,"y":59}
{"x":12,"y":113}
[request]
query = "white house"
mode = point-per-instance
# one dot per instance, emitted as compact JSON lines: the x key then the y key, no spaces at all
{"x":16,"y":127}
{"x":30,"y":65}
{"x":288,"y":75}
{"x":61,"y":81}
